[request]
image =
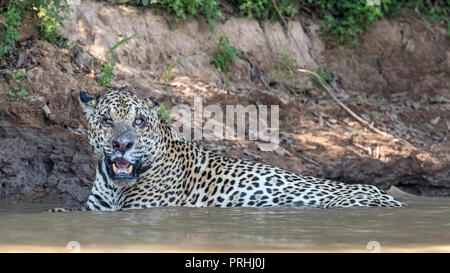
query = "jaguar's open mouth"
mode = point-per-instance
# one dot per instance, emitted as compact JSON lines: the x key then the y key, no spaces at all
{"x":120,"y":168}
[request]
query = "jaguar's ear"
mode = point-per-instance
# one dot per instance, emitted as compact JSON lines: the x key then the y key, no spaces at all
{"x":87,"y":103}
{"x":152,"y":103}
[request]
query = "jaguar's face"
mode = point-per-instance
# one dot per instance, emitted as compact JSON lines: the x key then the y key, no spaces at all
{"x":123,"y":130}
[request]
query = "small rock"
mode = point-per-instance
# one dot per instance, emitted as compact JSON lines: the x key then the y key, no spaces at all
{"x":435,"y":121}
{"x":21,"y":60}
{"x":410,"y":46}
{"x":47,"y":111}
{"x":254,"y":156}
{"x":282,"y":152}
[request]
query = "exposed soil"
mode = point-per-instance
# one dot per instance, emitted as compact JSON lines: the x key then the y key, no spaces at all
{"x":43,"y":166}
{"x":398,"y":78}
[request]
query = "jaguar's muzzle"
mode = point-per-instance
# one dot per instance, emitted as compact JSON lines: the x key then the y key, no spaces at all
{"x":122,"y":169}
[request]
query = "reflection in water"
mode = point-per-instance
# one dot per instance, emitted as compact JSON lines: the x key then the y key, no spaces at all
{"x":422,"y":226}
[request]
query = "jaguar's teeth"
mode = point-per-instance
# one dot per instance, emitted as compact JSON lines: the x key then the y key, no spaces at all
{"x":115,"y":168}
{"x":130,"y":169}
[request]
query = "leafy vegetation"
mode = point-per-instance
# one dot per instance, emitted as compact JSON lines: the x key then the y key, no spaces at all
{"x":224,"y":54}
{"x":49,"y":13}
{"x":325,"y":75}
{"x":121,"y":42}
{"x":344,"y":20}
{"x":209,"y":9}
{"x":11,"y":35}
{"x":287,"y":69}
{"x":18,"y":90}
{"x":107,"y":70}
{"x":107,"y":73}
{"x":434,"y":10}
{"x":265,"y":9}
{"x":164,"y":113}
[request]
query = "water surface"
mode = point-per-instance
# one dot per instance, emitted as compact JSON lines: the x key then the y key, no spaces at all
{"x":422,"y":226}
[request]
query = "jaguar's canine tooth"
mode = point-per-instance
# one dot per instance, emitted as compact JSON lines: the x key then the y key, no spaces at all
{"x":115,"y":168}
{"x":130,"y":169}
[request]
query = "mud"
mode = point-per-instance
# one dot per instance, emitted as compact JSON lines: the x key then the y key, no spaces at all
{"x":402,"y":89}
{"x":43,"y":167}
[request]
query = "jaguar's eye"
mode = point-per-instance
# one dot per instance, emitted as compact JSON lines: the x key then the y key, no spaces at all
{"x":107,"y":121}
{"x":139,"y":122}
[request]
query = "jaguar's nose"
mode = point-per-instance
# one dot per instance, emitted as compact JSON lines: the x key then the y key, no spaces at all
{"x":123,"y":139}
{"x":122,"y":145}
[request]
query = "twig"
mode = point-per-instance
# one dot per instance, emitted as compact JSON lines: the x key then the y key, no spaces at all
{"x":312,"y":161}
{"x":358,"y":118}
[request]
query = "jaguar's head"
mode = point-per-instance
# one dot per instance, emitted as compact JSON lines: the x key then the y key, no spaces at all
{"x":123,"y":129}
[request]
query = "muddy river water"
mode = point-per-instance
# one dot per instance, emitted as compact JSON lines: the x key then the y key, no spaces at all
{"x":422,"y":226}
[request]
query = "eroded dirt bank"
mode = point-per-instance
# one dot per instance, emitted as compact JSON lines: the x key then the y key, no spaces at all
{"x":398,"y":78}
{"x":38,"y":165}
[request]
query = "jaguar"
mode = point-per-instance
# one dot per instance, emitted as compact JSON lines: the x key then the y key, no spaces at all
{"x":144,"y":162}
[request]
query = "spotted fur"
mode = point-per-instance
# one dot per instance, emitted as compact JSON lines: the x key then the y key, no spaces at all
{"x":176,"y":171}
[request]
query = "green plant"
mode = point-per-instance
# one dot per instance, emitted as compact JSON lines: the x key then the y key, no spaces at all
{"x":107,"y":73}
{"x":18,"y":90}
{"x":164,"y":113}
{"x":286,"y":69}
{"x":448,"y":28}
{"x":119,"y":43}
{"x":11,"y":35}
{"x":225,"y":54}
{"x":381,"y":99}
{"x":249,"y":95}
{"x":49,"y":13}
{"x":325,"y":75}
{"x":69,"y":45}
{"x":265,"y":9}
{"x":343,"y":21}
{"x":166,"y":78}
{"x":209,"y":9}
{"x":107,"y":70}
{"x":434,"y":10}
{"x":168,"y":74}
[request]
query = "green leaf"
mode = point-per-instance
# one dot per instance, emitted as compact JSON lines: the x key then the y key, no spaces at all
{"x":121,"y":42}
